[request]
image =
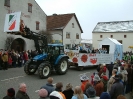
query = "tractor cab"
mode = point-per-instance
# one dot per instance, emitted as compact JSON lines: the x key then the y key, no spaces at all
{"x":54,"y":51}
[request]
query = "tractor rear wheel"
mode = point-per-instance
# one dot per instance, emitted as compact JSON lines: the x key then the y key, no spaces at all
{"x":28,"y":68}
{"x":44,"y":70}
{"x":62,"y":66}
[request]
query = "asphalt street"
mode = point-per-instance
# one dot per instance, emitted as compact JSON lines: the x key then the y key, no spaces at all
{"x":13,"y":76}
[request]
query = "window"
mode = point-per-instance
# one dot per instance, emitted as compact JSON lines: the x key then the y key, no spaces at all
{"x":67,"y":35}
{"x":77,"y":36}
{"x":29,"y":7}
{"x":72,"y":25}
{"x":37,"y":25}
{"x":111,"y":36}
{"x":125,"y":36}
{"x":101,"y":36}
{"x":120,"y":41}
{"x":7,"y":3}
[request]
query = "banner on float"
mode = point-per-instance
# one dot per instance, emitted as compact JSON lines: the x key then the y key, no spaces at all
{"x":85,"y":59}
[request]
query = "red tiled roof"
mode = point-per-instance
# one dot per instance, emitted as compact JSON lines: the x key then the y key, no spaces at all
{"x":60,"y":21}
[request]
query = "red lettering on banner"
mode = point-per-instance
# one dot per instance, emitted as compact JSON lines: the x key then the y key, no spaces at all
{"x":92,"y":54}
{"x":93,"y":60}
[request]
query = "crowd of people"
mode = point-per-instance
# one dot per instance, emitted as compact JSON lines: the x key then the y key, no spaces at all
{"x":88,"y":49}
{"x":128,"y":56}
{"x":99,"y":85}
{"x":13,"y":59}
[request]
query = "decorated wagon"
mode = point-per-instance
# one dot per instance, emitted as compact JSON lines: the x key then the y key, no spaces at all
{"x":81,"y":60}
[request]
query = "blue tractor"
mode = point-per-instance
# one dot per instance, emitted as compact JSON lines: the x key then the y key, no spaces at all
{"x":50,"y":56}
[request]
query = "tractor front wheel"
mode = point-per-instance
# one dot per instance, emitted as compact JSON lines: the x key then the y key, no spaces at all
{"x":44,"y":70}
{"x":28,"y":68}
{"x":62,"y":66}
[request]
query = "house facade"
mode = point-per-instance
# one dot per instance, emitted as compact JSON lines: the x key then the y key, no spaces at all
{"x":65,"y":29}
{"x":87,"y":42}
{"x":32,"y":16}
{"x":122,"y":31}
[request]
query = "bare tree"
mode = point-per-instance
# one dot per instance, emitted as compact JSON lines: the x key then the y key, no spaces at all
{"x":8,"y":42}
{"x":47,"y":34}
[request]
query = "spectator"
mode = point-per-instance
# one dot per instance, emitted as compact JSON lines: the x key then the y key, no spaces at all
{"x":91,"y":93}
{"x":124,"y":74}
{"x":78,"y":93}
{"x":92,"y":76}
{"x":110,"y":68}
{"x":121,"y":97}
{"x":129,"y":79}
{"x":105,"y":95}
{"x":25,"y":57}
{"x":101,"y":70}
{"x":5,"y":60}
{"x":29,"y":54}
{"x":132,"y":81}
{"x":14,"y":59}
{"x":84,"y":79}
{"x":125,"y":65}
{"x":86,"y":87}
{"x":121,"y":77}
{"x":10,"y":94}
{"x":20,"y":59}
{"x":49,"y":86}
{"x":104,"y":69}
{"x":59,"y":86}
{"x":1,"y":62}
{"x":9,"y":61}
{"x":111,"y":80}
{"x":43,"y":93}
{"x":98,"y":85}
{"x":68,"y":92}
{"x":117,"y":88}
{"x":104,"y":79}
{"x":57,"y":94}
{"x":21,"y":94}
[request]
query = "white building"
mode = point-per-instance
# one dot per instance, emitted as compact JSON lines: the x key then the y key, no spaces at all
{"x":87,"y":42}
{"x":119,"y":30}
{"x":32,"y":16}
{"x":65,"y":29}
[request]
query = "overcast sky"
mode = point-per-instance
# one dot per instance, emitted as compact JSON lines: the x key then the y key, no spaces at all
{"x":90,"y":12}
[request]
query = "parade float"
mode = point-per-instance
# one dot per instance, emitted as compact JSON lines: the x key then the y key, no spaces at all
{"x":81,"y":60}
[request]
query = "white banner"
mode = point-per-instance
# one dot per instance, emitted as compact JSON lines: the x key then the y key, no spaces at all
{"x":12,"y":22}
{"x":85,"y":59}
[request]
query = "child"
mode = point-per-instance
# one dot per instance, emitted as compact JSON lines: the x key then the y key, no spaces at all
{"x":84,"y":79}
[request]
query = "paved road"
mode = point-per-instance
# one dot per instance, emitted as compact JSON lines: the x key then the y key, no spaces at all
{"x":13,"y":76}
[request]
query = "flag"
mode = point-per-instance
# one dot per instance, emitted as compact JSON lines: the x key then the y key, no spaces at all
{"x":12,"y":22}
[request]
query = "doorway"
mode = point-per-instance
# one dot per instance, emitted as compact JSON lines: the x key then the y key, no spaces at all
{"x":107,"y":47}
{"x":18,"y":45}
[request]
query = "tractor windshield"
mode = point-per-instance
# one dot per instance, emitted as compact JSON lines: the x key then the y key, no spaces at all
{"x":54,"y":50}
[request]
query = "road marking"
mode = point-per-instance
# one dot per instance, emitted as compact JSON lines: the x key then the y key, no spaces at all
{"x":13,"y":78}
{"x":36,"y":90}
